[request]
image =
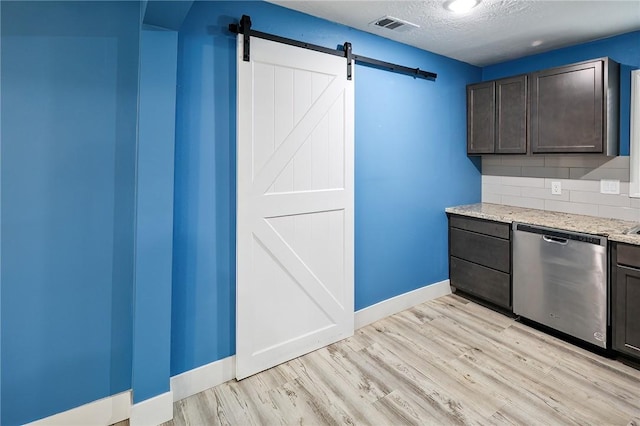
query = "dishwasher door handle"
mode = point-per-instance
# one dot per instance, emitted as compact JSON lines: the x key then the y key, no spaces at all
{"x":555,"y":240}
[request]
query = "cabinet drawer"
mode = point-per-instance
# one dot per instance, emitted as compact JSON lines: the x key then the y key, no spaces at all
{"x":628,"y":255}
{"x":489,"y":284}
{"x":482,"y":249}
{"x":496,"y":229}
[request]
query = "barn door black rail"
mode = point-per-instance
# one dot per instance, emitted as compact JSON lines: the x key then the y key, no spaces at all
{"x":244,"y":28}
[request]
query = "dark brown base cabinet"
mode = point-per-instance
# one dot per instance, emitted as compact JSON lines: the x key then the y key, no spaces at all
{"x":626,"y":299}
{"x":480,"y":259}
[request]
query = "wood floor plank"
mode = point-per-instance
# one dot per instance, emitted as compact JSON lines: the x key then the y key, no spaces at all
{"x":612,"y":389}
{"x":346,"y":377}
{"x":579,"y":391}
{"x":404,"y":408}
{"x":420,"y":314}
{"x":571,"y":351}
{"x":610,"y":372}
{"x":297,"y":405}
{"x":524,"y":414}
{"x":234,"y":406}
{"x":418,"y":353}
{"x":536,"y":387}
{"x":496,"y":344}
{"x":440,"y":345}
{"x":196,"y":410}
{"x":330,"y":391}
{"x":496,"y":318}
{"x":539,"y":408}
{"x":355,"y":342}
{"x":447,"y":361}
{"x":441,"y":402}
{"x":482,"y":318}
{"x":269,"y":379}
{"x":392,"y":409}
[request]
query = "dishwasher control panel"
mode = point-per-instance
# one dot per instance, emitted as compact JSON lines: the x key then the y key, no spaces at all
{"x":585,"y":238}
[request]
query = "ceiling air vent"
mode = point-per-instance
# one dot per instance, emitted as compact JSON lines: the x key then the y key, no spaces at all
{"x":395,"y":24}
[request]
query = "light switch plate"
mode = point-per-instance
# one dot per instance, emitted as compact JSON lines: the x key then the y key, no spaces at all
{"x":556,"y":188}
{"x":609,"y":186}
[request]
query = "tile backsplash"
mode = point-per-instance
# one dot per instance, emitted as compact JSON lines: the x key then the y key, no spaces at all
{"x":525,"y":181}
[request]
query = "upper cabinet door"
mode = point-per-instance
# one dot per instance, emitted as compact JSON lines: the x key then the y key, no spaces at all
{"x":481,"y":100}
{"x":567,"y":113}
{"x":511,"y":115}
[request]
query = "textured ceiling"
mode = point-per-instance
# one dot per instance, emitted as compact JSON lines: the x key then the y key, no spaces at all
{"x":495,"y":31}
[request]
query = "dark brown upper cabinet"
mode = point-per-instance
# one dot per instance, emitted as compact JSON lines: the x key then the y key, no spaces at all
{"x":497,"y":116}
{"x":574,"y":109}
{"x":511,"y":115}
{"x":481,"y":118}
{"x":569,"y":109}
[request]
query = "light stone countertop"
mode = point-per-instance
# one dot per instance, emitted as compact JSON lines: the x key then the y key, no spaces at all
{"x":614,"y":229}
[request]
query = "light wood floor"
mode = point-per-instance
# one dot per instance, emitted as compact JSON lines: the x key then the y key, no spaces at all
{"x":447,"y":361}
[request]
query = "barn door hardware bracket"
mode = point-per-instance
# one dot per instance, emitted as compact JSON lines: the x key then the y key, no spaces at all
{"x":244,"y":28}
{"x":346,"y":47}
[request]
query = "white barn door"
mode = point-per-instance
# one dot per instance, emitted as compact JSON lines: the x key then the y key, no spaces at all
{"x":295,"y":254}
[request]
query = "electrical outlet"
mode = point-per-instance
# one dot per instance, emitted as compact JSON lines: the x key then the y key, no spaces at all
{"x":556,"y":188}
{"x":609,"y":186}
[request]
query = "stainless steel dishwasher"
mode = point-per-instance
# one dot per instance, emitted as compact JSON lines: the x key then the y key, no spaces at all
{"x":560,"y":280}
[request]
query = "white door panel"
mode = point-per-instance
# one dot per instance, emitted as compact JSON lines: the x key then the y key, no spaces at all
{"x":295,"y":204}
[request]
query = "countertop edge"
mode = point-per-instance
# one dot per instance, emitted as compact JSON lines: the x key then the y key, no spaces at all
{"x":613,"y":229}
{"x":478,"y":215}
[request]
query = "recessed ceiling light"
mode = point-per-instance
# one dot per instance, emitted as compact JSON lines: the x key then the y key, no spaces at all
{"x":461,"y":6}
{"x":537,"y":43}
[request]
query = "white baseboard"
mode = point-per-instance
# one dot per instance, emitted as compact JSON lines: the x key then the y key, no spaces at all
{"x":401,"y":302}
{"x":202,"y":378}
{"x":152,"y":411}
{"x":105,"y":411}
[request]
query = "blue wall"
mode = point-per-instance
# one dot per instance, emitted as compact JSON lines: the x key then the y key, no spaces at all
{"x":410,"y":164}
{"x":624,"y":49}
{"x":69,"y":108}
{"x":154,"y":214}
